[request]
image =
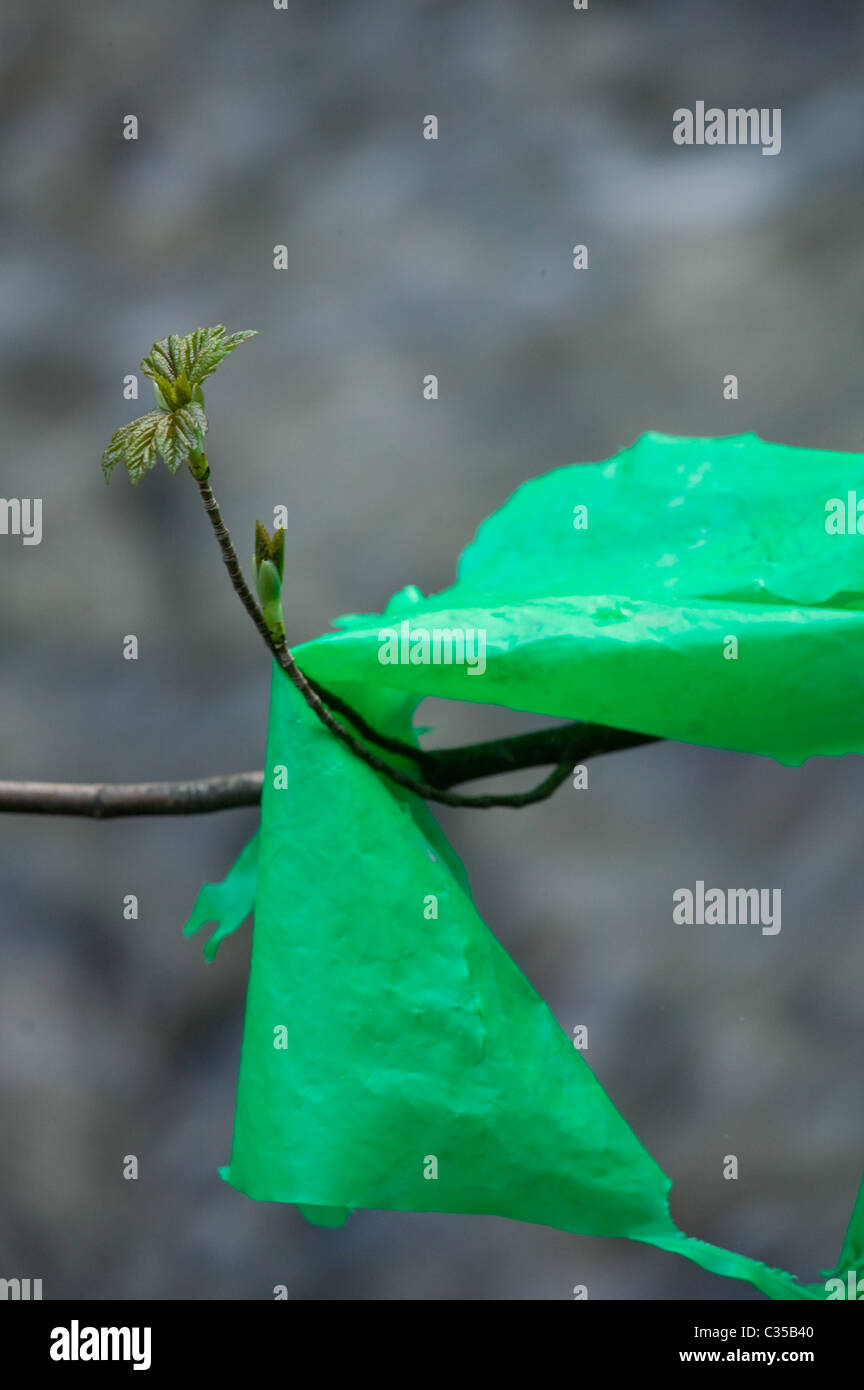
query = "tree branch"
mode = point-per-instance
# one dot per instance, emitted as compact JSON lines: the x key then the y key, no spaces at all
{"x":316,"y":695}
{"x":444,"y":767}
{"x":105,"y":800}
{"x":439,"y":768}
{"x":276,"y":642}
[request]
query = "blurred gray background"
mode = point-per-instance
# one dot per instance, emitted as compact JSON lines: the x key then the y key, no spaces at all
{"x":407,"y":257}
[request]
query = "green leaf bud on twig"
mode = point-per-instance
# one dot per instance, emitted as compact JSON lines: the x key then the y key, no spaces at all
{"x":174,"y":431}
{"x":268,"y":565}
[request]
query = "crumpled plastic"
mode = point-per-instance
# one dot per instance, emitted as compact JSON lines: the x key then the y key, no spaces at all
{"x":394,"y":1056}
{"x":625,"y":623}
{"x":398,"y":1060}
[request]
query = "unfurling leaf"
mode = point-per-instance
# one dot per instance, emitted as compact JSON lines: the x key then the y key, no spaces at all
{"x":175,"y":430}
{"x":277,"y":552}
{"x":262,"y":545}
{"x":268,"y":562}
{"x":269,"y":548}
{"x":193,"y":357}
{"x":173,"y":435}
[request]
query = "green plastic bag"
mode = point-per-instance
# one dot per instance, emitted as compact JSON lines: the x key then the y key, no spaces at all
{"x":626,"y":622}
{"x":397,"y":1059}
{"x":394,"y":1056}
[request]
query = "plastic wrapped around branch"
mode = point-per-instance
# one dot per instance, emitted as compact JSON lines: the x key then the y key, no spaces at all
{"x":692,"y":589}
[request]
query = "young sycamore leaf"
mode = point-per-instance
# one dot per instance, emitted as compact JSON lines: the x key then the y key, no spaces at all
{"x":175,"y":430}
{"x":194,"y":357}
{"x":173,"y":435}
{"x":268,"y":565}
{"x":269,"y":548}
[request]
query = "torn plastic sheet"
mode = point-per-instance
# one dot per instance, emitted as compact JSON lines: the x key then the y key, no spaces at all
{"x":394,"y":1056}
{"x":627,"y":622}
{"x":397,"y":1059}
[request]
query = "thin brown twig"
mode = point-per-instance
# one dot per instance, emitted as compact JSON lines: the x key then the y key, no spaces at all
{"x":106,"y":800}
{"x":442,"y":768}
{"x":283,"y":655}
{"x":244,"y":593}
{"x":423,"y":789}
{"x":447,"y":766}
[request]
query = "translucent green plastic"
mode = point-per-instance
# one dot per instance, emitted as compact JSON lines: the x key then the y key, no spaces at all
{"x":688,"y":542}
{"x":394,"y":1056}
